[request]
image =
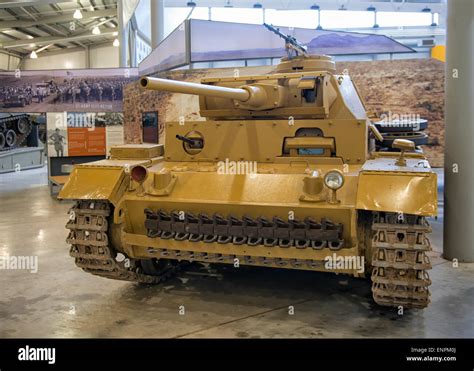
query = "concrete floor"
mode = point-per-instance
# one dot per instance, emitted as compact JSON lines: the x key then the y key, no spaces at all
{"x":62,"y":301}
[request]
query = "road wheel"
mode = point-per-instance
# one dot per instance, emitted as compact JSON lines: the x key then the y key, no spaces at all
{"x":10,"y":138}
{"x":2,"y":141}
{"x":23,"y":125}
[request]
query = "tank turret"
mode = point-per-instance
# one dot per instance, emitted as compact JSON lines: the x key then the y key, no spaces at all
{"x":301,"y":87}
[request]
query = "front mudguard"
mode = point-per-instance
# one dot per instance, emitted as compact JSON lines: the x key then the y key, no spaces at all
{"x":95,"y":183}
{"x":399,"y":192}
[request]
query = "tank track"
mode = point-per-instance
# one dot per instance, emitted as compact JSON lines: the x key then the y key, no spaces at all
{"x":5,"y":127}
{"x":260,"y":261}
{"x":400,"y":263}
{"x":92,"y":251}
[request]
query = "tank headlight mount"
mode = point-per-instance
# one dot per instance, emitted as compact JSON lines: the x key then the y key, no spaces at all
{"x":334,"y":180}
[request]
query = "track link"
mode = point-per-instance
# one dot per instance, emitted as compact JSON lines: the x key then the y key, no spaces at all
{"x":400,"y":263}
{"x":302,"y":234}
{"x":90,"y":246}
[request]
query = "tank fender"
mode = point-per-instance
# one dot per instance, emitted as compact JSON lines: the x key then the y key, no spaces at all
{"x":95,"y":183}
{"x":401,"y":192}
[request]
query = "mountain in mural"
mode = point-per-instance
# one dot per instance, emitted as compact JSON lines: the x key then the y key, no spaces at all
{"x":336,"y":41}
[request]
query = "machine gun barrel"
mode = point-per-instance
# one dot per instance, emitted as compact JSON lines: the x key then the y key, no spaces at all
{"x":154,"y":83}
{"x":290,"y":41}
{"x":184,"y":139}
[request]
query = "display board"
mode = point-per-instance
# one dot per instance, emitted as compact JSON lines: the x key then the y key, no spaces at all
{"x":83,"y":134}
{"x":83,"y":90}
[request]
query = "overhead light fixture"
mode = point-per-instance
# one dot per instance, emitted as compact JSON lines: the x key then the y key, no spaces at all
{"x":77,"y":14}
{"x":314,"y":7}
{"x":96,"y":31}
{"x":34,"y":53}
{"x":191,"y":4}
{"x":257,"y":6}
{"x":116,"y":43}
{"x":115,"y":33}
{"x":373,"y":9}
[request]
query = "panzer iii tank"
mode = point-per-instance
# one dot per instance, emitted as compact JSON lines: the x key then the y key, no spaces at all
{"x":14,"y":129}
{"x":283,"y":173}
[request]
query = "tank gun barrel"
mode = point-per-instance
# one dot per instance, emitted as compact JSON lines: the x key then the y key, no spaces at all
{"x":249,"y":95}
{"x":154,"y":83}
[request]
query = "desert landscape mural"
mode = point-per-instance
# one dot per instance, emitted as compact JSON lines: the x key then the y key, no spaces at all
{"x":397,"y":87}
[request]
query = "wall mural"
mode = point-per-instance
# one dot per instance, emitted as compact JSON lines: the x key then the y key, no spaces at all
{"x":217,"y":41}
{"x":169,"y":54}
{"x":92,"y":90}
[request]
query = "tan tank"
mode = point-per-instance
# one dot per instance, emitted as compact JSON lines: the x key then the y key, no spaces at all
{"x":283,"y":173}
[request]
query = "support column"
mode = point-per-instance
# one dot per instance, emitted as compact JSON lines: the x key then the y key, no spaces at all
{"x":122,"y":35}
{"x":133,"y":48}
{"x":157,"y":16}
{"x":459,"y":117}
{"x":87,"y":53}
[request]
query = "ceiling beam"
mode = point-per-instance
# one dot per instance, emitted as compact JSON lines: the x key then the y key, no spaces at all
{"x":382,"y":5}
{"x":55,"y":39}
{"x":6,"y":52}
{"x":58,"y":19}
{"x":17,"y":3}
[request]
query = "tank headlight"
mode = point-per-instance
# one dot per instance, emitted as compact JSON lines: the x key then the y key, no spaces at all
{"x":334,"y":179}
{"x":139,"y":174}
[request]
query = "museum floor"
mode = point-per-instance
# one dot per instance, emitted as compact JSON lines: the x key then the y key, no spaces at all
{"x":62,"y":301}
